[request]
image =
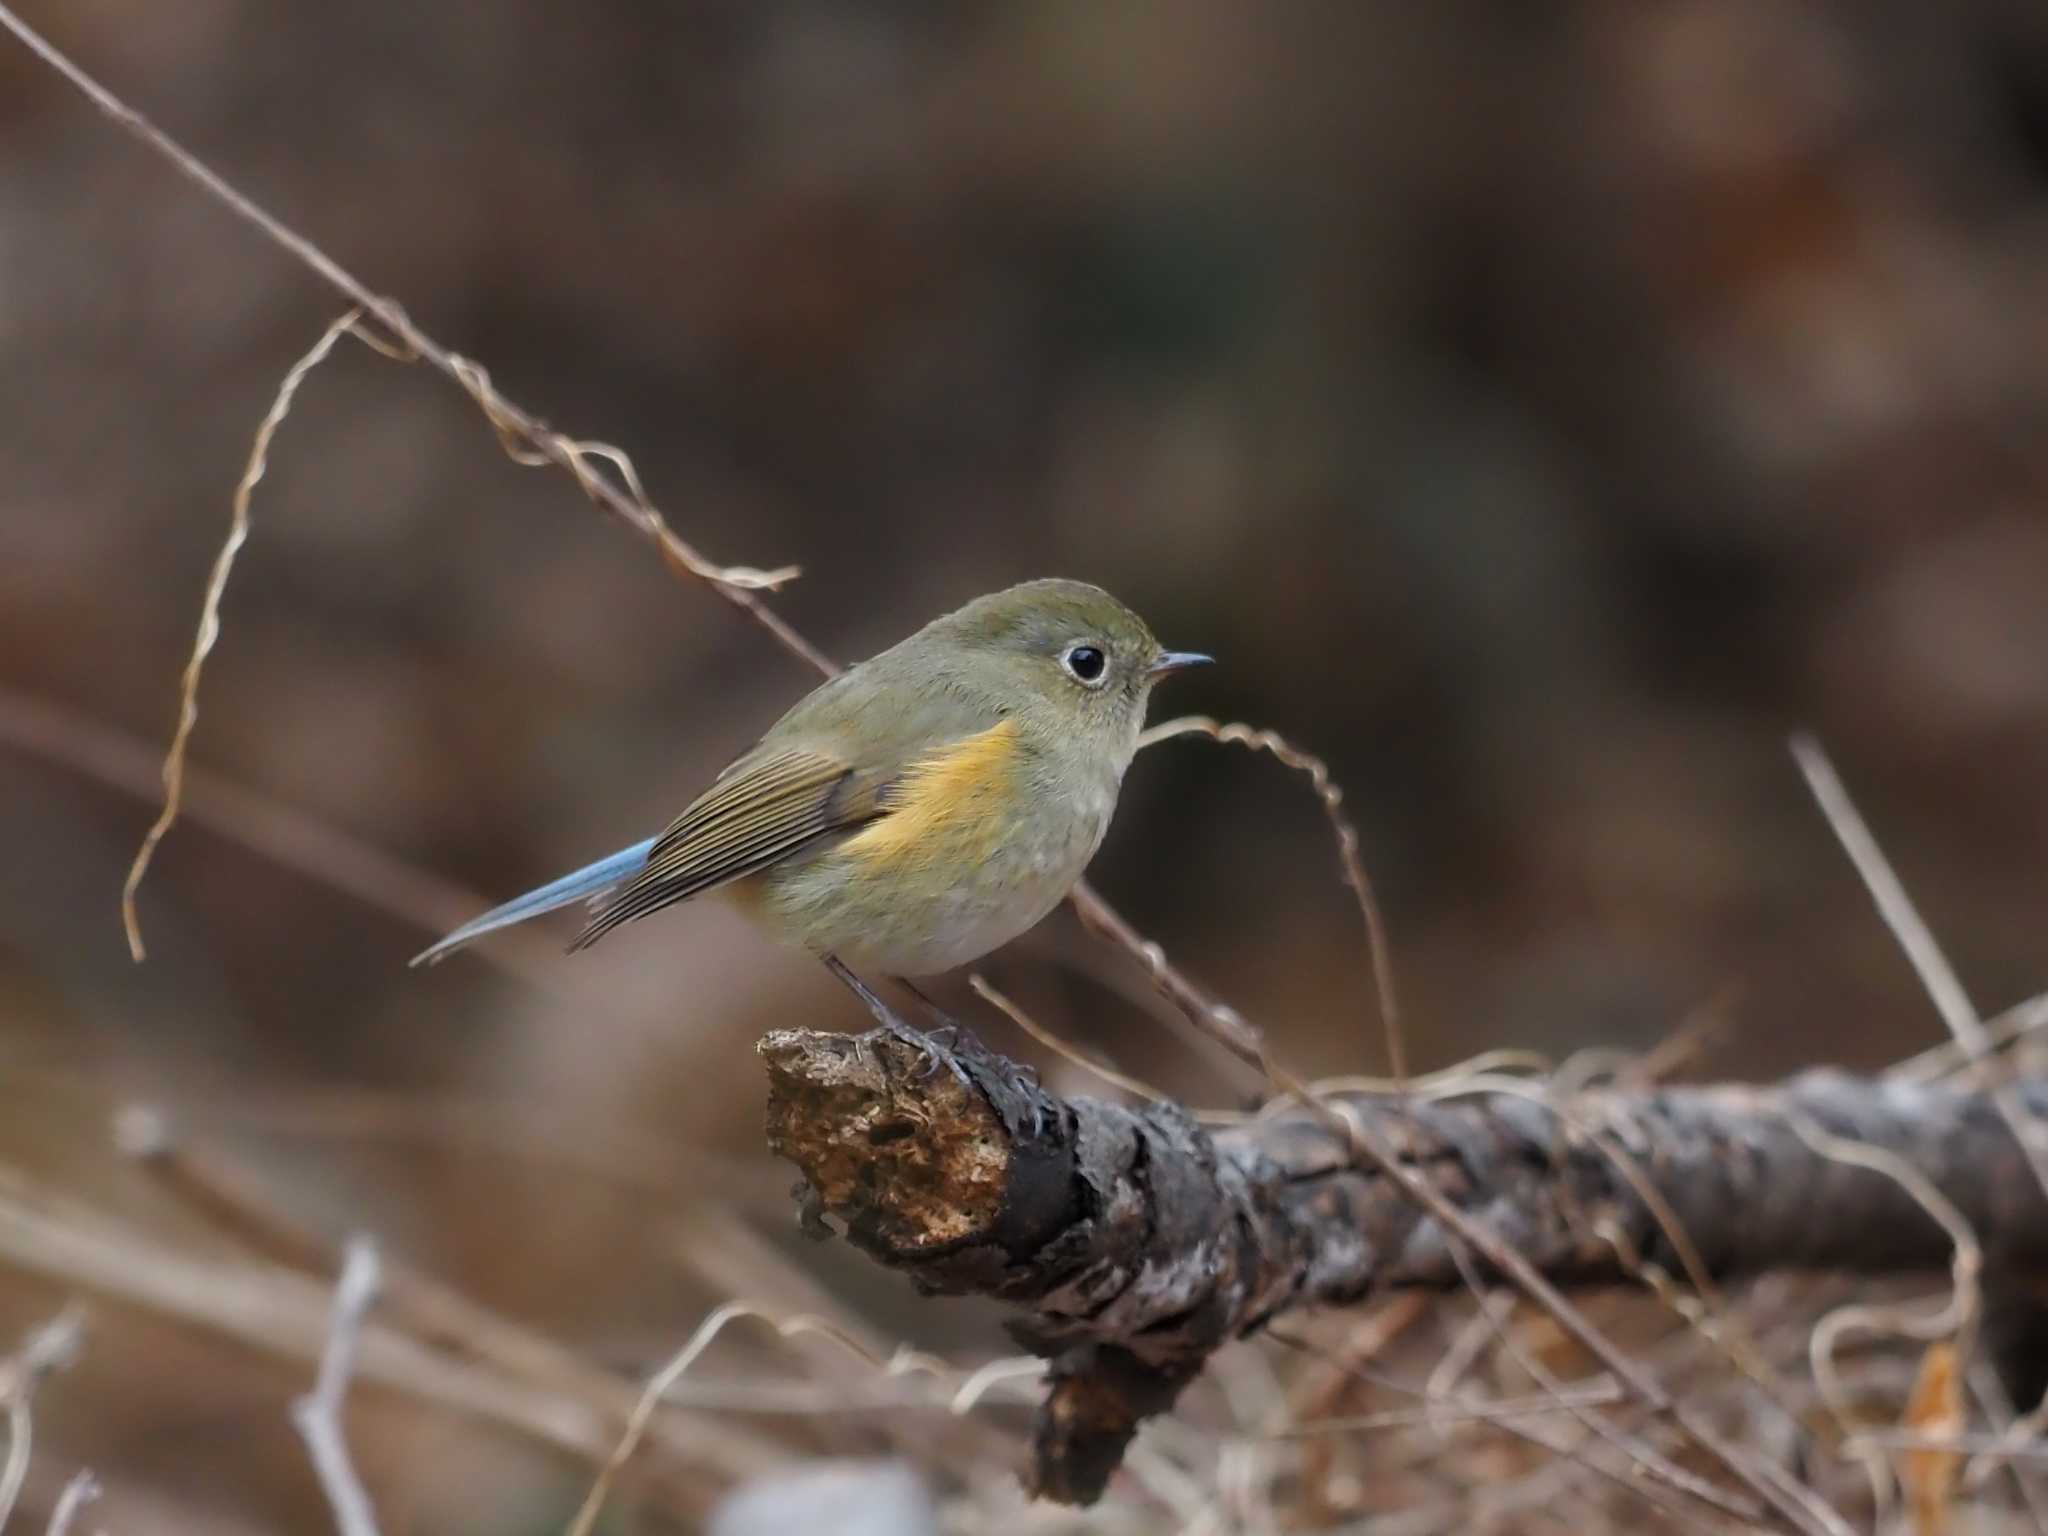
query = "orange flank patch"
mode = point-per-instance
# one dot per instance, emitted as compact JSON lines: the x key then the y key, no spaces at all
{"x":954,"y":806}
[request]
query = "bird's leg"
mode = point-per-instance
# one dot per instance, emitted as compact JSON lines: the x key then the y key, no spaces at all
{"x":948,"y":1025}
{"x":892,"y":1023}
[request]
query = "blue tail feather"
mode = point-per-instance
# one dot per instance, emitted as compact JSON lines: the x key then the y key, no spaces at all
{"x":591,"y":880}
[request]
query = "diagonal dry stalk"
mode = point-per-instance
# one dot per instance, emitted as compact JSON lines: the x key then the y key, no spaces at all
{"x":1644,"y":1460}
{"x":1939,"y":978}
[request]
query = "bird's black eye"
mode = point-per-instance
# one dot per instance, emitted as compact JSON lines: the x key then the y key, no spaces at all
{"x":1086,"y":662}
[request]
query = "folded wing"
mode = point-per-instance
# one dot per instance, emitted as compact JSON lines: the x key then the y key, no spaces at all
{"x":761,"y":810}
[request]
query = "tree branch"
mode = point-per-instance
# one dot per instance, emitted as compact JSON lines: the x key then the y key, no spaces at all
{"x":1137,"y":1241}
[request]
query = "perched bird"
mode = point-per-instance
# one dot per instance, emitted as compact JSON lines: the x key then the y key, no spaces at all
{"x":916,"y":811}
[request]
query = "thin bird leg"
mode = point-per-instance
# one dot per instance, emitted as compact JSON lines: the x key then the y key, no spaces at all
{"x":892,"y":1022}
{"x":948,"y":1025}
{"x":952,"y":1028}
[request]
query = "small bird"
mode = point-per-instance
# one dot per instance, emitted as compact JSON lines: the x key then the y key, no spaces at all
{"x":916,"y":811}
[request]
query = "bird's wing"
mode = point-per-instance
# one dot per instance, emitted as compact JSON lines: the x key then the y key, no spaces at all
{"x":760,"y":810}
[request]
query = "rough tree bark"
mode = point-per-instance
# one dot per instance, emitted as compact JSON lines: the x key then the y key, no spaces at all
{"x":1137,"y":1242}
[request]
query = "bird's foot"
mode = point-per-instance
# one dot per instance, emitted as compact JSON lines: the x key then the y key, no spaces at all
{"x":935,"y":1055}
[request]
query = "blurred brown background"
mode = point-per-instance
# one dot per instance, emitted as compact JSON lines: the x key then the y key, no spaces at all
{"x":1540,"y":411}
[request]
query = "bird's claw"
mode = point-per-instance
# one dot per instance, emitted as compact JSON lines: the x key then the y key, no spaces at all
{"x":935,"y":1055}
{"x":1037,"y":1116}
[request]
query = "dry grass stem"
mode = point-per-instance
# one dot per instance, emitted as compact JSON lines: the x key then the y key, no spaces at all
{"x":271,"y":829}
{"x":1331,"y":795}
{"x":79,"y":1490}
{"x":1943,"y":986}
{"x":501,"y":1375}
{"x":1955,"y":1323}
{"x":223,"y":1195}
{"x":209,"y":611}
{"x":1994,"y":1448}
{"x":520,"y":430}
{"x":1609,"y":1146}
{"x":1442,"y":1408}
{"x":1797,"y":1510}
{"x":222,"y":1201}
{"x":1444,"y":1082}
{"x":317,"y":1416}
{"x":903,"y":1362}
{"x":49,"y":1348}
{"x":1703,"y":1307}
{"x":1015,"y":1013}
{"x":1213,"y":1017}
{"x":2002,"y":1030}
{"x":1443,"y":1414}
{"x":1644,"y":1459}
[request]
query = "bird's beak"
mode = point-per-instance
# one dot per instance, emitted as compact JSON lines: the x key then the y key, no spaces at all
{"x":1177,"y":661}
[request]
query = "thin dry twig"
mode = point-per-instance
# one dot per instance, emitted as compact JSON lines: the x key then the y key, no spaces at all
{"x":1331,"y":794}
{"x":1444,"y":1082}
{"x":272,"y":829}
{"x":1466,"y":1345}
{"x":1644,"y":1459}
{"x":1609,"y":1146}
{"x":1955,"y":1322}
{"x":1454,"y":1411}
{"x":2002,"y":1030}
{"x":1995,"y":1448}
{"x":1704,"y":1308}
{"x":1722,"y":1330}
{"x":218,"y":1191}
{"x":48,"y":1348}
{"x":1016,"y":1014}
{"x":1320,"y":1393}
{"x":500,"y":1375}
{"x":1801,"y":1512}
{"x":969,"y":1388}
{"x":143,"y":1132}
{"x":1214,"y":1017}
{"x":534,"y":443}
{"x":1572,"y":1453}
{"x":2012,"y":1430}
{"x":2021,"y":1434}
{"x":317,"y":1416}
{"x":209,"y":611}
{"x":80,"y":1490}
{"x":1509,"y":1261}
{"x":664,"y":1380}
{"x":1698,"y":1027}
{"x":1943,"y":986}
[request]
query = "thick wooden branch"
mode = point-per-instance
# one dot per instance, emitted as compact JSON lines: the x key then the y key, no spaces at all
{"x":1137,"y":1242}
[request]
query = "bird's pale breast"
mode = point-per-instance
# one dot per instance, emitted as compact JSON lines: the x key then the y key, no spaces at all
{"x":979,"y":843}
